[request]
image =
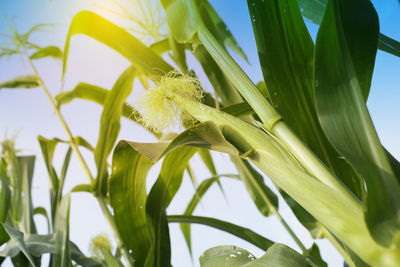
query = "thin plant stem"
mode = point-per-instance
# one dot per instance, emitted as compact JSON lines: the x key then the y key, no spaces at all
{"x":83,"y":163}
{"x":272,"y":121}
{"x":334,"y":241}
{"x":290,"y":231}
{"x":238,"y":162}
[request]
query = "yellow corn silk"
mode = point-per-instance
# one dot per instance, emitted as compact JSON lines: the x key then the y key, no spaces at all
{"x":159,"y":111}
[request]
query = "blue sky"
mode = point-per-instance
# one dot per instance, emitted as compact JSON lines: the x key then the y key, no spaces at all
{"x":29,"y":113}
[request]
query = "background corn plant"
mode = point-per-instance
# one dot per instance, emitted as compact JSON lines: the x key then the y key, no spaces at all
{"x":306,"y":126}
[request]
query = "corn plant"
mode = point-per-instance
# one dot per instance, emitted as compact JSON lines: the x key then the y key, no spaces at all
{"x":306,"y":127}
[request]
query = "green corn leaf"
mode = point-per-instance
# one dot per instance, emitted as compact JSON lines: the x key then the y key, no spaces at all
{"x":127,"y":185}
{"x":395,"y":165}
{"x":344,"y":59}
{"x":222,"y":86}
{"x":277,"y":255}
{"x":61,"y":229}
{"x":218,"y":27}
{"x":98,"y":95}
{"x":127,"y":190}
{"x":5,"y":201}
{"x":287,"y":67}
{"x":64,"y":170}
{"x":37,"y":245}
{"x":179,"y":11}
{"x":42,"y":211}
{"x":110,"y":125}
{"x":15,"y":178}
{"x":21,"y":82}
{"x":389,"y":45}
{"x":161,"y":194}
{"x":208,"y":161}
{"x":268,"y":155}
{"x":83,"y":188}
{"x":306,"y":219}
{"x":48,"y":147}
{"x":100,"y":29}
{"x":27,"y":164}
{"x":314,"y":11}
{"x":265,"y":200}
{"x":18,"y":238}
{"x":160,"y":47}
{"x":241,"y":232}
{"x":48,"y":51}
{"x":314,"y":255}
{"x":83,"y":91}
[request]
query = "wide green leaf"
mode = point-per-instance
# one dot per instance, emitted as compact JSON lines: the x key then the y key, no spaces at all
{"x":287,"y":65}
{"x":277,"y":255}
{"x":110,"y":124}
{"x":314,"y":11}
{"x":127,"y":185}
{"x":24,"y":82}
{"x":127,"y":190}
{"x":241,"y":232}
{"x":102,"y":30}
{"x":344,"y":59}
{"x":161,"y":194}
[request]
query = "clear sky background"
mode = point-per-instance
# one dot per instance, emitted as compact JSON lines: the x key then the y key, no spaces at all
{"x":28,"y":113}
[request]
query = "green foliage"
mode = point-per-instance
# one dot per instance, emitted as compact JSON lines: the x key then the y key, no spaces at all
{"x":306,"y":127}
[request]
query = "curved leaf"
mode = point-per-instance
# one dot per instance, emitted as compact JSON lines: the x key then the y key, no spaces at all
{"x":218,"y":27}
{"x":100,"y":29}
{"x":42,"y":211}
{"x":98,"y":95}
{"x":131,"y":162}
{"x":287,"y":65}
{"x":161,"y":194}
{"x":110,"y":124}
{"x":127,"y":189}
{"x":48,"y":51}
{"x":314,"y":11}
{"x":344,"y":59}
{"x":241,"y":232}
{"x":24,"y":82}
